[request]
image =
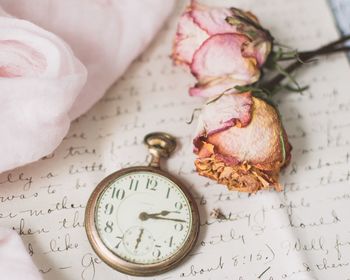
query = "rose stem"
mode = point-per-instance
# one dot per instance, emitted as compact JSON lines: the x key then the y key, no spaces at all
{"x":341,"y":40}
{"x":304,"y":57}
{"x":320,"y":52}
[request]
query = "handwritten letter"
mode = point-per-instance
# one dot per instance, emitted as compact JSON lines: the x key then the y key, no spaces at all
{"x":301,"y":233}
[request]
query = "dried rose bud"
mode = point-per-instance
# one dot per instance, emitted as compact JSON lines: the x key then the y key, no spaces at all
{"x":223,"y":47}
{"x":241,"y":143}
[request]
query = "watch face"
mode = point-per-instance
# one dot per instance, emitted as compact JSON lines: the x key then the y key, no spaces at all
{"x":143,"y":217}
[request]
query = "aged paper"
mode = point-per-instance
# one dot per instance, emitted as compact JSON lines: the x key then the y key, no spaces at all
{"x":301,"y":233}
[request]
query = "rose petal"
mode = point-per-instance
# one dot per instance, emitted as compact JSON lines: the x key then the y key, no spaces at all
{"x":245,"y":14}
{"x":212,"y":90}
{"x":257,"y":143}
{"x":211,"y":19}
{"x":241,"y":177}
{"x":227,"y":111}
{"x":260,"y":51}
{"x":221,"y":56}
{"x":218,"y":86}
{"x":189,"y":37}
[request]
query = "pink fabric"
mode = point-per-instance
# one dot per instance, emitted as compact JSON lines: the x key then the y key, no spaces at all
{"x":41,"y":78}
{"x":15,"y":263}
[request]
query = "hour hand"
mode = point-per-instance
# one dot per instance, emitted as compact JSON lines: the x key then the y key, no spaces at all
{"x":165,"y":213}
{"x":162,"y":213}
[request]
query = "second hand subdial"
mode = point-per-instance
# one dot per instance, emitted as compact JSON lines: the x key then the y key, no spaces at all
{"x":138,"y":240}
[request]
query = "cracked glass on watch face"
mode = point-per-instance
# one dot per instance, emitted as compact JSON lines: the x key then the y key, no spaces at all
{"x":143,"y":217}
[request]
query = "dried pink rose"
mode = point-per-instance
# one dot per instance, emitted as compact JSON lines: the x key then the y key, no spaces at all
{"x":241,"y":143}
{"x":223,"y":47}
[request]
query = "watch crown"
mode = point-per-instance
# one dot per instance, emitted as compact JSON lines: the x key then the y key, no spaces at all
{"x":160,"y":145}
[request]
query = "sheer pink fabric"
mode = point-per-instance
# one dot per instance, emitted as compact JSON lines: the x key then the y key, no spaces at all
{"x":44,"y":59}
{"x":15,"y":263}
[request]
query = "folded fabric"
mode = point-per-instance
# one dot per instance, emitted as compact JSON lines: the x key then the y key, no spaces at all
{"x":40,"y":77}
{"x":39,"y":80}
{"x":15,"y":263}
{"x":106,"y":35}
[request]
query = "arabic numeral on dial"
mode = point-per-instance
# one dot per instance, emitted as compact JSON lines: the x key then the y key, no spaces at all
{"x":156,"y":253}
{"x":151,"y":184}
{"x":109,"y":209}
{"x":178,"y":205}
{"x":109,"y":227}
{"x":168,"y":193}
{"x":133,"y":185}
{"x":171,"y":241}
{"x":179,"y":227}
{"x":119,"y":242}
{"x":118,"y":193}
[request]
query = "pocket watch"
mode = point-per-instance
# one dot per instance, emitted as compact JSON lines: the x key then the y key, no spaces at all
{"x":141,"y":220}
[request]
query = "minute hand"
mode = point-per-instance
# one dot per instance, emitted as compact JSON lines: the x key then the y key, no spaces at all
{"x":145,"y":216}
{"x":167,"y":219}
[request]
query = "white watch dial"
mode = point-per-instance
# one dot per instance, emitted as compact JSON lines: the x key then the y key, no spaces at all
{"x":143,"y":217}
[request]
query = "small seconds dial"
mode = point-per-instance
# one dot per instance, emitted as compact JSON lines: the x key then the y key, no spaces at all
{"x":143,"y":217}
